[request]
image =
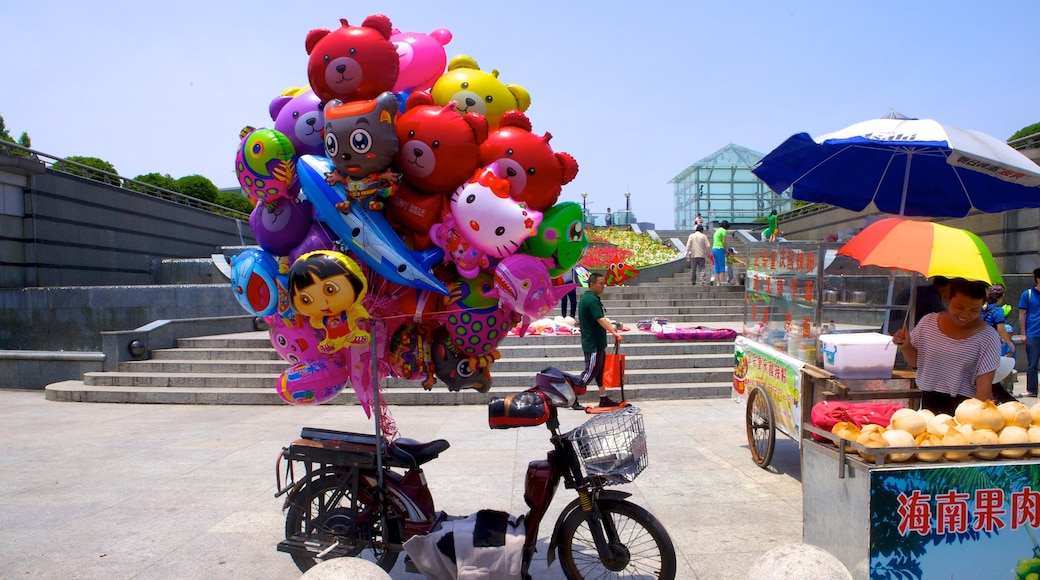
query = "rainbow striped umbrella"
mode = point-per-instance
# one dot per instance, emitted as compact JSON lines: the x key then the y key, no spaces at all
{"x":924,"y":247}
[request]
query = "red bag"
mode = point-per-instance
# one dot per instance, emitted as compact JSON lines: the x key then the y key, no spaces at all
{"x":614,"y":369}
{"x":826,"y":414}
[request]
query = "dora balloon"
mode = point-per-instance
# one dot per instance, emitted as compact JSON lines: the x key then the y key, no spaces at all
{"x":328,"y":287}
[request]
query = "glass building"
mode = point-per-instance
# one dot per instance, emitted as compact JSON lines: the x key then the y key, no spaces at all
{"x":722,"y":187}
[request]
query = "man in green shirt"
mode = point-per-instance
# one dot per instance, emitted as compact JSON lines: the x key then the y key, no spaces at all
{"x":594,"y":328}
{"x":718,"y":252}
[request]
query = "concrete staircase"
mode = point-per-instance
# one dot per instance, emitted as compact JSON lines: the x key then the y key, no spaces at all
{"x":244,"y":369}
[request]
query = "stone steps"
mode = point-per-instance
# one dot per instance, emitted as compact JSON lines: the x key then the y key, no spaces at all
{"x":244,"y":369}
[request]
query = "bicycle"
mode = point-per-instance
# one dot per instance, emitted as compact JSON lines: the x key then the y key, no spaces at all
{"x":347,"y":502}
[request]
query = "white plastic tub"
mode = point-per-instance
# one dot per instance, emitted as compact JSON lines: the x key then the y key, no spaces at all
{"x":865,"y":355}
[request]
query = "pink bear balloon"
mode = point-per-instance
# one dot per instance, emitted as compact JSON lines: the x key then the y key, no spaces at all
{"x":422,"y":58}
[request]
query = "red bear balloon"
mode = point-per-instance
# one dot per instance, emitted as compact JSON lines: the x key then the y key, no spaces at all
{"x":354,"y":62}
{"x":535,"y":173}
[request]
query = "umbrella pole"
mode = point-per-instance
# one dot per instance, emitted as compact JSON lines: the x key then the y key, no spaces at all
{"x":912,"y":303}
{"x":906,"y":181}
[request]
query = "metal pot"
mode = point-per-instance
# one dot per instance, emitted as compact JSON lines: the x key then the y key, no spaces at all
{"x":858,"y":297}
{"x":830,"y":295}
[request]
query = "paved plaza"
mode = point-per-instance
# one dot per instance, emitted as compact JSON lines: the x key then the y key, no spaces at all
{"x":113,"y":491}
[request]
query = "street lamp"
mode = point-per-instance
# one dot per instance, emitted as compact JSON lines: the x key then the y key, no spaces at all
{"x":584,"y":206}
{"x":628,"y":208}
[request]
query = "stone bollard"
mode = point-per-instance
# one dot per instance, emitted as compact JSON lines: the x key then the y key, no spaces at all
{"x":802,"y":561}
{"x":345,"y":569}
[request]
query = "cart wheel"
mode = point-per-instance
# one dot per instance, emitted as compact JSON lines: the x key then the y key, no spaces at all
{"x":761,"y":427}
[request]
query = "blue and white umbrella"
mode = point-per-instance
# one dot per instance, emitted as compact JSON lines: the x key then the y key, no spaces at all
{"x":907,"y":167}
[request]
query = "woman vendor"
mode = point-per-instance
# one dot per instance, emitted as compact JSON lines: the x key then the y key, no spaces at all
{"x":955,"y":351}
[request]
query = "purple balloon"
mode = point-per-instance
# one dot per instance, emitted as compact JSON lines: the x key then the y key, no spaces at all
{"x":282,"y":225}
{"x":317,"y":238}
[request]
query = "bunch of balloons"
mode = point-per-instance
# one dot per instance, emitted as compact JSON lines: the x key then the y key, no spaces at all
{"x":406,"y":214}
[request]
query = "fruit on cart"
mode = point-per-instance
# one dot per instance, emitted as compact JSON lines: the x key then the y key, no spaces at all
{"x":910,"y":421}
{"x":848,"y":430}
{"x":1011,"y":434}
{"x":965,"y":429}
{"x":899,"y":438}
{"x":1035,"y":412}
{"x":1016,"y":413}
{"x":984,"y":437}
{"x":871,"y":438}
{"x":927,"y":414}
{"x":955,"y":437}
{"x":928,"y":439}
{"x":941,"y":423}
{"x":980,"y":415}
{"x":1034,"y":437}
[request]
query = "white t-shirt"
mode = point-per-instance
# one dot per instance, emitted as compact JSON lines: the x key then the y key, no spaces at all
{"x":948,"y":365}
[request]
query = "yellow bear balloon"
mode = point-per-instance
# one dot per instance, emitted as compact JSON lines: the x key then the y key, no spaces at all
{"x":476,"y":91}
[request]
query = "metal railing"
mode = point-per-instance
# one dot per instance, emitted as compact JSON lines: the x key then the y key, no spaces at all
{"x":8,"y":149}
{"x":1027,"y":142}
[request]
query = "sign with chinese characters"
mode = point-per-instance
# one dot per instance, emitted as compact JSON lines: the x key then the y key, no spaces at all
{"x":969,"y":520}
{"x":780,"y":375}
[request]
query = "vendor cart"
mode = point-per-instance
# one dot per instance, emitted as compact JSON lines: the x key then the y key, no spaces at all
{"x":794,"y":292}
{"x":966,"y":518}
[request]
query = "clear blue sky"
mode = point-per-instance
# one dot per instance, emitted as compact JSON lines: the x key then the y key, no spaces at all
{"x":635,"y":91}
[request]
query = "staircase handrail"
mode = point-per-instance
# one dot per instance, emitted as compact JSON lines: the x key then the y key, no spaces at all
{"x":62,"y":165}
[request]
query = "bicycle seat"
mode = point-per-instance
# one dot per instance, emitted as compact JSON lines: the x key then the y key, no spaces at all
{"x":411,"y":453}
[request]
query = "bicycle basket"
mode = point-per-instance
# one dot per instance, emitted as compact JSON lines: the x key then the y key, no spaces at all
{"x":611,"y":447}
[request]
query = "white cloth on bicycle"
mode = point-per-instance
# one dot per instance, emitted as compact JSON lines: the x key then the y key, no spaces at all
{"x":486,"y":545}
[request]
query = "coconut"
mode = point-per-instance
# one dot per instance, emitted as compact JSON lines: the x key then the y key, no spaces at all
{"x":955,"y":437}
{"x":908,"y":420}
{"x":1016,"y":413}
{"x":984,"y":437}
{"x":846,"y":430}
{"x":964,"y":409}
{"x":1013,"y":434}
{"x":941,"y":423}
{"x":1034,"y":437}
{"x":871,"y":438}
{"x":982,"y":416}
{"x":1034,"y":411}
{"x":927,"y":414}
{"x":965,"y":429}
{"x":899,"y":438}
{"x":927,"y":439}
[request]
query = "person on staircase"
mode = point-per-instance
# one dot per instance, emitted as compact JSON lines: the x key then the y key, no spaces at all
{"x":698,"y":248}
{"x":718,"y":252}
{"x":594,"y":325}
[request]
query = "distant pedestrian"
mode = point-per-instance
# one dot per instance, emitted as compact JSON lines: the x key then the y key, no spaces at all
{"x":771,"y":231}
{"x":698,"y":221}
{"x":1029,"y":322}
{"x":610,"y":218}
{"x":718,"y":252}
{"x":571,"y":297}
{"x":698,"y":249}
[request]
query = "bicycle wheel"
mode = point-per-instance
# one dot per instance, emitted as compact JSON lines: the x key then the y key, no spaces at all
{"x":323,"y":507}
{"x":761,"y":426}
{"x":642,"y":548}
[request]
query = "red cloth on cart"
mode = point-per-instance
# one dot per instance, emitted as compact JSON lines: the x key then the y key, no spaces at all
{"x":826,"y":414}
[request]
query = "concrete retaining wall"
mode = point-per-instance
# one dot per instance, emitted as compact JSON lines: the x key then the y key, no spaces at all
{"x":73,"y":319}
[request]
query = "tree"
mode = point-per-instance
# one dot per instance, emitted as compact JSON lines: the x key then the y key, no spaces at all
{"x":1026,"y":131}
{"x":88,"y":173}
{"x":155,"y":180}
{"x":4,"y":135}
{"x":198,"y":187}
{"x":23,"y":140}
{"x":234,"y":201}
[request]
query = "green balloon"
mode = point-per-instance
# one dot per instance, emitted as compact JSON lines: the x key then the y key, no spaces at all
{"x":561,"y":236}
